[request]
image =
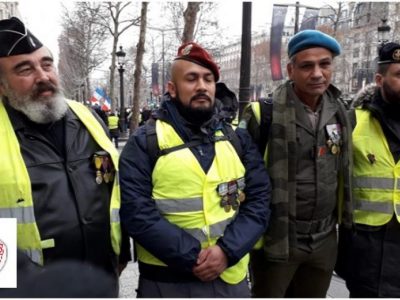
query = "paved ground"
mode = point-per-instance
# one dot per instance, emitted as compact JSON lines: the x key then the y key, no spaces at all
{"x":129,"y":277}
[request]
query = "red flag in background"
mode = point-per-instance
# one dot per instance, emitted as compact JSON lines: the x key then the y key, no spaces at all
{"x":278,"y":22}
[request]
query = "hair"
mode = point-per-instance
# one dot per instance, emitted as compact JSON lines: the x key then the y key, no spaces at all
{"x":382,"y":69}
{"x":292,"y":60}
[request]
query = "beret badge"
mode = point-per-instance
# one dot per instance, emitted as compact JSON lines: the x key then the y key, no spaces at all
{"x":396,"y":55}
{"x":187,"y":49}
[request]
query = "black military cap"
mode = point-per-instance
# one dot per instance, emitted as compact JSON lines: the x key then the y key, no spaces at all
{"x":16,"y":39}
{"x":389,"y":54}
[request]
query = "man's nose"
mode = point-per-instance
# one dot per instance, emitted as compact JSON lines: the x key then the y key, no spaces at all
{"x":317,"y":72}
{"x":41,"y":75}
{"x":201,"y":84}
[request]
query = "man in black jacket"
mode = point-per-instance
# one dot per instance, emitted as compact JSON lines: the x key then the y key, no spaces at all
{"x":198,"y":207}
{"x":57,"y":161}
{"x":369,"y":253}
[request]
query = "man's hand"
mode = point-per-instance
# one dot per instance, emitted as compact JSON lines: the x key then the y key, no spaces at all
{"x":210,"y":263}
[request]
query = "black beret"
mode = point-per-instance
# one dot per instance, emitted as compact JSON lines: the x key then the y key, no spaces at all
{"x":389,"y":54}
{"x":15,"y":39}
{"x":195,"y":53}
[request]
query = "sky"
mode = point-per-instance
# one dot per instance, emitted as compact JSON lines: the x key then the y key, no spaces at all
{"x":43,"y":17}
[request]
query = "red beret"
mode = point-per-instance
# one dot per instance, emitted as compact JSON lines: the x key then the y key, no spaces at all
{"x":196,"y":54}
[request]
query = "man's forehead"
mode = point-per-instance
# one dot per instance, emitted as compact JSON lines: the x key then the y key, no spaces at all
{"x":37,"y":55}
{"x":316,"y":53}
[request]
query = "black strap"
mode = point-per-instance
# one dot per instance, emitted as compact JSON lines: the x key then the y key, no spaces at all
{"x":151,"y":139}
{"x":265,"y":122}
{"x":234,"y":139}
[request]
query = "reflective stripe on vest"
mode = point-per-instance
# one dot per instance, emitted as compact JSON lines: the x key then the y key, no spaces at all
{"x":376,"y":190}
{"x":214,"y":231}
{"x":195,"y":206}
{"x":24,"y":215}
{"x":15,"y":188}
{"x":179,"y":205}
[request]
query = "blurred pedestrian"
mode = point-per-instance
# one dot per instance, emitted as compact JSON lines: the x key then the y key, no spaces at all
{"x":115,"y":127}
{"x":59,"y":165}
{"x":308,"y":160}
{"x":195,"y":208}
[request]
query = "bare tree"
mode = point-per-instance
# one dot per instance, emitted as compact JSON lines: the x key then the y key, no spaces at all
{"x":116,"y":24}
{"x":81,"y":47}
{"x":197,"y":20}
{"x":138,"y":68}
{"x":190,"y":17}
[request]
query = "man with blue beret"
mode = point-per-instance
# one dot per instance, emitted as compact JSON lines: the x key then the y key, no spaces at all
{"x":368,"y":257}
{"x":306,"y":131}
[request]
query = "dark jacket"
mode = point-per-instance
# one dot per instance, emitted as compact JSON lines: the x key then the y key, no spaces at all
{"x":368,"y":255}
{"x":70,"y":207}
{"x":166,"y":241}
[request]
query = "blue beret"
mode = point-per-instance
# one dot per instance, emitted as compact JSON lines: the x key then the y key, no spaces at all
{"x":312,"y":38}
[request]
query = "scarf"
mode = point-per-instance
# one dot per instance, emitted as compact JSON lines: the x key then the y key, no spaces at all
{"x":281,"y":164}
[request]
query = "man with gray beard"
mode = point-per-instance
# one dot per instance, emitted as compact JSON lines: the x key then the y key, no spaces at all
{"x":59,"y":166}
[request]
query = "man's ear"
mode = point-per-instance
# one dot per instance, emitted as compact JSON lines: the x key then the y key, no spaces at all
{"x":171,"y":89}
{"x":379,"y":79}
{"x":289,"y":68}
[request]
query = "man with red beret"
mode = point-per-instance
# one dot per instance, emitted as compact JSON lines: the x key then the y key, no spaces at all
{"x":195,"y":193}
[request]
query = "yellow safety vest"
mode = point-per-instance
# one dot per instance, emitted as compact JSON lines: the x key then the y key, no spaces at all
{"x":256,"y":108}
{"x":112,"y":122}
{"x":376,"y":184}
{"x":195,"y":205}
{"x":16,"y":185}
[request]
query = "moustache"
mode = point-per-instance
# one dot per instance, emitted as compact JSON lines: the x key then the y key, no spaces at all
{"x":200,"y":96}
{"x":44,"y":87}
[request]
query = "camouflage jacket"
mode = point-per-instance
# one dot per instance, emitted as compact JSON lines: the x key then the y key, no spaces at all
{"x":281,"y":149}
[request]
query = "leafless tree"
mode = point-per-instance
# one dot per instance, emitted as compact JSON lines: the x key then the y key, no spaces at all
{"x":81,"y":47}
{"x":190,"y":17}
{"x":116,"y":23}
{"x":138,"y":68}
{"x":197,"y":20}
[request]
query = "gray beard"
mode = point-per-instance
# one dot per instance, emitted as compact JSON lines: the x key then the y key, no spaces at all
{"x":42,"y":110}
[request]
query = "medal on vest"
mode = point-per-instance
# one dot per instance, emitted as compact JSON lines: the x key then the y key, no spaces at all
{"x":334,"y":142}
{"x":98,"y":161}
{"x":106,"y":168}
{"x":231,"y":194}
{"x":222,"y":190}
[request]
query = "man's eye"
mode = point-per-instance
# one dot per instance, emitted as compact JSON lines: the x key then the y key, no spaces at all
{"x":47,"y":66}
{"x":24,"y":71}
{"x":326,"y":64}
{"x":306,"y":66}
